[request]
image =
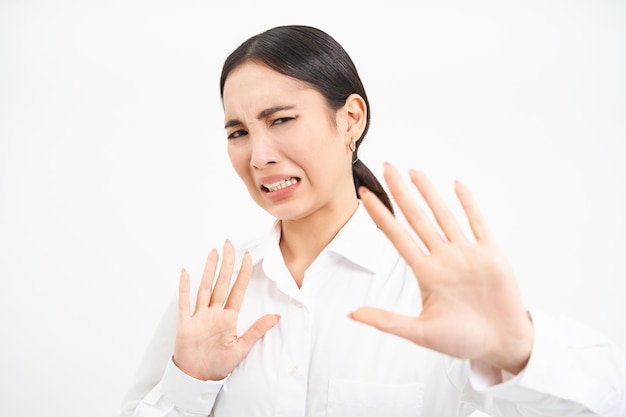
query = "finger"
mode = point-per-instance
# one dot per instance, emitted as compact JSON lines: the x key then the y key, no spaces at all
{"x":445,"y":219}
{"x":475,"y":218}
{"x":206,"y":284}
{"x":238,"y":291}
{"x":414,"y":214}
{"x":395,"y":232}
{"x":220,"y":290}
{"x":386,"y":321}
{"x":183,"y":295}
{"x":257,"y":331}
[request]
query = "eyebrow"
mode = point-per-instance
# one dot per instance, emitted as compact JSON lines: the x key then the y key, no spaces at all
{"x":263,"y":114}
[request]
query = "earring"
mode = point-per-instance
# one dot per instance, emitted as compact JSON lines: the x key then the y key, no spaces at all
{"x":352,"y":146}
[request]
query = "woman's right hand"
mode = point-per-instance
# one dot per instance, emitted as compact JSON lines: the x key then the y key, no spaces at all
{"x":207,"y":346}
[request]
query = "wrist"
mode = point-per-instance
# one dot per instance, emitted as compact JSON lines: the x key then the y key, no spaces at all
{"x":513,"y":354}
{"x":195,"y":372}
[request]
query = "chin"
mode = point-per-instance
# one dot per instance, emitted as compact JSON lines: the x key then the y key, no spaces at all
{"x":287,"y":211}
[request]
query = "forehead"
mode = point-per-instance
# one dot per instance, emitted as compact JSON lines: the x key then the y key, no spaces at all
{"x":252,"y":86}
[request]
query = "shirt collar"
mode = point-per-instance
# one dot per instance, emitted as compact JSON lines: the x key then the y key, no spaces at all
{"x":357,"y":241}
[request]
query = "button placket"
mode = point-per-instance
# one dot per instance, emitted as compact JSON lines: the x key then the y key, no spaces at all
{"x":294,"y":371}
{"x":294,"y":361}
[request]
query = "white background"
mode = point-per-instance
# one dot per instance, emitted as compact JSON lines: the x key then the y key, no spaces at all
{"x":114,"y":175}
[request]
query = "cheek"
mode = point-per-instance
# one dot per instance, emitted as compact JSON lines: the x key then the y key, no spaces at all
{"x":239,"y":160}
{"x":315,"y":142}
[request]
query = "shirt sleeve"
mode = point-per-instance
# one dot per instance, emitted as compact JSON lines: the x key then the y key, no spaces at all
{"x":159,"y":388}
{"x":176,"y":395}
{"x":573,"y":370}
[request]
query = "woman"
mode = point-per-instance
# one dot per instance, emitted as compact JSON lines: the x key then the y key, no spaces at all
{"x":306,"y":339}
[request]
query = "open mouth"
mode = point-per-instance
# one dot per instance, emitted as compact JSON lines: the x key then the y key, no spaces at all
{"x":279,"y":185}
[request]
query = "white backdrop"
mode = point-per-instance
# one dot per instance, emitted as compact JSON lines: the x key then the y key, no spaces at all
{"x":114,"y":174}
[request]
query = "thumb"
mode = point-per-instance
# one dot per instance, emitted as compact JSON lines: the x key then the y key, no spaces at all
{"x":257,"y":331}
{"x":398,"y":324}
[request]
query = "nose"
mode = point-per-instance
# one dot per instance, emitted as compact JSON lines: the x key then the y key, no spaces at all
{"x":264,"y":151}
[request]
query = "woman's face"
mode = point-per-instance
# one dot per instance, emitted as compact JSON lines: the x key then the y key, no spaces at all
{"x":288,"y":147}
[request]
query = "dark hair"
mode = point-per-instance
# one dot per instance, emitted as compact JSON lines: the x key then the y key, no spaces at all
{"x":314,"y":57}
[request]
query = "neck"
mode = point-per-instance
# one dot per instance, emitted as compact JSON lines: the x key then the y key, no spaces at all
{"x":302,"y":240}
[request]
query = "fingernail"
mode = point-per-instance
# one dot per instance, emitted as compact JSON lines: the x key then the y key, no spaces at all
{"x":363,"y":190}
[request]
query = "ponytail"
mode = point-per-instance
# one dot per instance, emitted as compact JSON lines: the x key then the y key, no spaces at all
{"x":364,"y":177}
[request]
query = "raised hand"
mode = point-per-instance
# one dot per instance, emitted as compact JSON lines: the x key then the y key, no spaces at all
{"x":471,"y":305}
{"x":207,"y":346}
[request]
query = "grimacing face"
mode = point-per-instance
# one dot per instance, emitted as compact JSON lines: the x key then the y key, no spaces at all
{"x":282,"y":142}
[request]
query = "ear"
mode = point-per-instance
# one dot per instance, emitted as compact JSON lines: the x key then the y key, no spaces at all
{"x":355,"y":113}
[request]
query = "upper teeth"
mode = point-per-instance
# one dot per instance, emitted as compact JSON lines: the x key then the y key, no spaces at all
{"x":275,"y":186}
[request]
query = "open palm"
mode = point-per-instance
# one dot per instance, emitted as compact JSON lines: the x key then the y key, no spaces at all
{"x":207,"y":346}
{"x":471,"y":305}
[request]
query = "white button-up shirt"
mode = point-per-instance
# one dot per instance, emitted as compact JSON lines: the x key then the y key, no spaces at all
{"x":318,"y":362}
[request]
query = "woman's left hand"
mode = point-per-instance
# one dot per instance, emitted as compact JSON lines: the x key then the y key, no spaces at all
{"x":471,"y":305}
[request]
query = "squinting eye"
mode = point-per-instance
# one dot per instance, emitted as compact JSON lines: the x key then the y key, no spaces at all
{"x":282,"y":120}
{"x":237,"y":134}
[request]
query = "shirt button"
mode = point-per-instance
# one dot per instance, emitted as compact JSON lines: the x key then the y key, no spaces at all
{"x":206,"y":396}
{"x":293,"y":371}
{"x":298,"y":304}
